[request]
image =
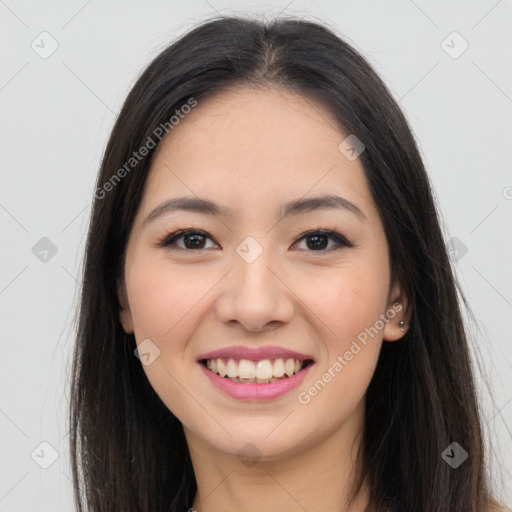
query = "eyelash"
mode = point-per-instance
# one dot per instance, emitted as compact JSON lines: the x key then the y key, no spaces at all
{"x":332,"y":235}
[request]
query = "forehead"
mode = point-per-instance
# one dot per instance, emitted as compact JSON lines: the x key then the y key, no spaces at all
{"x":250,"y":147}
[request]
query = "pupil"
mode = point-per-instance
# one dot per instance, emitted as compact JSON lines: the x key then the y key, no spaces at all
{"x":195,"y":245}
{"x":319,"y":242}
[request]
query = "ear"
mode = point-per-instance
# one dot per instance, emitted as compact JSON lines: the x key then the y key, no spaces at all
{"x":125,"y":315}
{"x":398,"y":309}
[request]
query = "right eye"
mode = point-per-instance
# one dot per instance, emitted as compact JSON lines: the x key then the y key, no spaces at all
{"x":193,"y":239}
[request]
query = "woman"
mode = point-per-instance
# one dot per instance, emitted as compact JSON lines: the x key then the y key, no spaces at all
{"x":269,"y":320}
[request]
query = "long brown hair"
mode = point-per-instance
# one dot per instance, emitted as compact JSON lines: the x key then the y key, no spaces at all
{"x":128,"y":450}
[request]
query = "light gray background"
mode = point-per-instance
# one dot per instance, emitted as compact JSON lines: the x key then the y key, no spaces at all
{"x":56,"y":116}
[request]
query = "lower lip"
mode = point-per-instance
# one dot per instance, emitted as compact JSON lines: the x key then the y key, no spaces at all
{"x":253,"y":391}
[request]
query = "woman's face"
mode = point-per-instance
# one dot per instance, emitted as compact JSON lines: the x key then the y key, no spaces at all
{"x":257,"y":274}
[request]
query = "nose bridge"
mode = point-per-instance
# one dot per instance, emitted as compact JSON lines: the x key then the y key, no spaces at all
{"x":255,"y":275}
{"x":252,"y":274}
{"x":254,"y":296}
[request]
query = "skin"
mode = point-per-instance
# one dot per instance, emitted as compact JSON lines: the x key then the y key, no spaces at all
{"x":253,"y":150}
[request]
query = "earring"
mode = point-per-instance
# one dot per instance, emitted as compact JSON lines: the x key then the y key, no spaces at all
{"x":401,"y":324}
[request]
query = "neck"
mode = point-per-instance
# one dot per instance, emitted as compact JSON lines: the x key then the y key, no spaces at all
{"x":317,"y":477}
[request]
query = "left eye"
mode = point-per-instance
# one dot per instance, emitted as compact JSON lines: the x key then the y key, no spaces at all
{"x":317,"y":240}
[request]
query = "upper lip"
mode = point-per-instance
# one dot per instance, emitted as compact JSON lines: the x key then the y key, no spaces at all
{"x":255,"y":354}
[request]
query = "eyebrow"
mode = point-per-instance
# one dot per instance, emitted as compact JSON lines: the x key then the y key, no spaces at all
{"x":292,"y":208}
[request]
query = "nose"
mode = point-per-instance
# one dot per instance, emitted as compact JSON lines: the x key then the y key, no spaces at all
{"x":255,"y":296}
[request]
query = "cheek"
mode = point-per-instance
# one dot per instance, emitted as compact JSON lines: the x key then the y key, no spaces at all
{"x":347,"y":300}
{"x":163,"y":299}
{"x":350,"y":306}
{"x":166,"y":306}
{"x":347,"y":304}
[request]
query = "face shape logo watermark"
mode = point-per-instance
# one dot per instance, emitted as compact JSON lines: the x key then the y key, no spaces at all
{"x":454,"y":455}
{"x":351,"y":147}
{"x":147,"y":352}
{"x":249,"y":454}
{"x":454,"y":45}
{"x":456,"y":249}
{"x":249,"y":249}
{"x":45,"y":45}
{"x":44,"y":455}
{"x":44,"y":250}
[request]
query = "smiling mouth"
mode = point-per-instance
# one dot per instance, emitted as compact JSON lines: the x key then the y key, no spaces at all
{"x":264,"y":371}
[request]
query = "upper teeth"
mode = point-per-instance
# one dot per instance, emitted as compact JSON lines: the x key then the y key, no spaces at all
{"x":247,"y":369}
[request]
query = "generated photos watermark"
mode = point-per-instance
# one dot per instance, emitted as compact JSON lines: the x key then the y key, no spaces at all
{"x":137,"y":156}
{"x":342,"y":360}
